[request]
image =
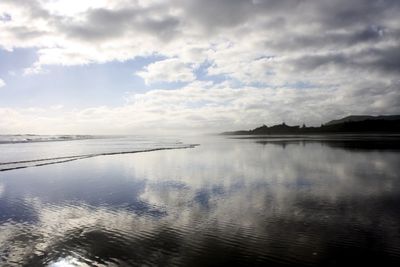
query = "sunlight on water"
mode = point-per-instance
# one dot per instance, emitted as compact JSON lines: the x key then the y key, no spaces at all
{"x":66,"y":262}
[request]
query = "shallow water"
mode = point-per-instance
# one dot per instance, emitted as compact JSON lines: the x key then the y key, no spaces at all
{"x":19,"y":151}
{"x":228,"y":201}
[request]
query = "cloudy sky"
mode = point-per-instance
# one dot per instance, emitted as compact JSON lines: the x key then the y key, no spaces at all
{"x":134,"y":66}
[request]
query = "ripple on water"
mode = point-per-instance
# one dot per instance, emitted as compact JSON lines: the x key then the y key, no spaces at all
{"x":268,"y":208}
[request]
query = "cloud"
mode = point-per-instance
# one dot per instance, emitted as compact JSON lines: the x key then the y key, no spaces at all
{"x":207,"y":107}
{"x":281,"y":59}
{"x":2,"y":83}
{"x":168,"y":70}
{"x":169,"y":28}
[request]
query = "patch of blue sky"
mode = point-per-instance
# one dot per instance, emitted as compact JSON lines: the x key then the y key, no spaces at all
{"x":202,"y":74}
{"x":13,"y":62}
{"x":71,"y":86}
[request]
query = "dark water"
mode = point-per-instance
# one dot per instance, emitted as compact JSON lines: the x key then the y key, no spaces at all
{"x":251,"y":202}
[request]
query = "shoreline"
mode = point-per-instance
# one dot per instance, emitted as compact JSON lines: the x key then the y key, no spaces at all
{"x":64,"y":159}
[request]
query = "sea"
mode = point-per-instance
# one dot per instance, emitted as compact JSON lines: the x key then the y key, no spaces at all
{"x":22,"y":151}
{"x":83,"y":200}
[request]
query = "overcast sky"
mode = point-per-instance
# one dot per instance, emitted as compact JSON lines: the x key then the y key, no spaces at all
{"x":126,"y":66}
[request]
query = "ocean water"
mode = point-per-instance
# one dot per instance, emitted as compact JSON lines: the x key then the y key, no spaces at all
{"x":22,"y":151}
{"x":259,"y":201}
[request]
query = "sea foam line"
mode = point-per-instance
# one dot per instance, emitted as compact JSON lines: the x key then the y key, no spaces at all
{"x":5,"y":166}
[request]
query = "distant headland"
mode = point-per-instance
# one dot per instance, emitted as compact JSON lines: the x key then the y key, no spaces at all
{"x":359,"y":124}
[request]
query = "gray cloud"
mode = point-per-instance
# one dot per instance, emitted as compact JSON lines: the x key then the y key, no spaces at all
{"x":341,"y":13}
{"x":385,"y":60}
{"x":102,"y":24}
{"x":331,"y":40}
{"x":33,"y":8}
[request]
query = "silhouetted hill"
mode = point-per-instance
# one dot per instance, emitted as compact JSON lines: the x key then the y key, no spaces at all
{"x":282,"y":128}
{"x":355,"y":118}
{"x":350,"y":124}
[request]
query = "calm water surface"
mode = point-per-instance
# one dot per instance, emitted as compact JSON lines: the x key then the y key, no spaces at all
{"x":250,"y":202}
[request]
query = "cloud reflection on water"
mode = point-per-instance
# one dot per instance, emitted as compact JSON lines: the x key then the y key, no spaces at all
{"x":227,"y":200}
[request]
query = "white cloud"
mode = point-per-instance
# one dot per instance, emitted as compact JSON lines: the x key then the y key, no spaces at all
{"x":2,"y":83}
{"x":205,"y":107}
{"x":168,"y":70}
